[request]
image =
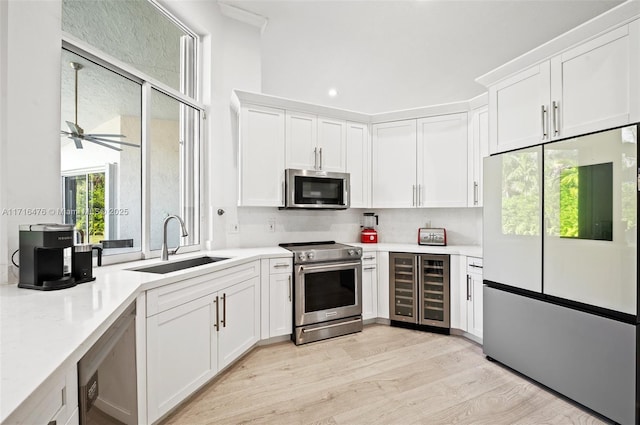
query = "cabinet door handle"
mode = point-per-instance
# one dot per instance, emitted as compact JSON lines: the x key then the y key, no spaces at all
{"x":217,"y":324}
{"x":280,"y":265}
{"x":555,"y":118}
{"x":320,"y":158}
{"x":369,"y":268}
{"x":475,"y":193}
{"x":315,"y":158}
{"x":419,"y":191}
{"x":224,"y":310}
{"x":289,"y":288}
{"x":413,"y":202}
{"x":544,"y":119}
{"x":368,"y":258}
{"x":468,"y":288}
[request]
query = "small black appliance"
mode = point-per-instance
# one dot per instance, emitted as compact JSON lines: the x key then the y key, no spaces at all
{"x":82,"y":264}
{"x":46,"y":252}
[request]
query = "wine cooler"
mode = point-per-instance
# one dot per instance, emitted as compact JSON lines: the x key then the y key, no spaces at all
{"x":419,"y":285}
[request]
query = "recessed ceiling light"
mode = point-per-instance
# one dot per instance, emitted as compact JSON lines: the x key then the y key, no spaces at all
{"x":333,"y":92}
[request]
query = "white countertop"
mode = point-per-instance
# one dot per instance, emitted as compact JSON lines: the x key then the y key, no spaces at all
{"x":42,"y":332}
{"x":468,"y":250}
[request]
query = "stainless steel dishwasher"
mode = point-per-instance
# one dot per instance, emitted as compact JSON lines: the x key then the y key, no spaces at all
{"x":107,"y":386}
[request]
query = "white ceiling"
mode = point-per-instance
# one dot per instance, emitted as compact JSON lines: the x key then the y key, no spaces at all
{"x":392,"y":55}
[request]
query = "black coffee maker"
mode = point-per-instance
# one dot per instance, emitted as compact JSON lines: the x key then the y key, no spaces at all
{"x":46,"y":256}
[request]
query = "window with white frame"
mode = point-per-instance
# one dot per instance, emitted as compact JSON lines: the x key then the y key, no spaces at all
{"x":130,"y":125}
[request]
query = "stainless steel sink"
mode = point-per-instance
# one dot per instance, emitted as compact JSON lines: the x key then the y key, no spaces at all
{"x":174,"y":266}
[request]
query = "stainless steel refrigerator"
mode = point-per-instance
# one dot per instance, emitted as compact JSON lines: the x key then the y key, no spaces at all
{"x":560,"y":267}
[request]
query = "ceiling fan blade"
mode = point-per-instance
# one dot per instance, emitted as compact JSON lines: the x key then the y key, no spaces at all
{"x":65,"y":132}
{"x":89,"y":137}
{"x":93,"y":140}
{"x":77,"y":141}
{"x":105,"y":135}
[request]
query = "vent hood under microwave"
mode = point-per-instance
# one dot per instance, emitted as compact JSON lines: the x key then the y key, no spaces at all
{"x":315,"y":189}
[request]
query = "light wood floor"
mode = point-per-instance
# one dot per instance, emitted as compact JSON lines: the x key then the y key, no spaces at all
{"x":382,"y":375}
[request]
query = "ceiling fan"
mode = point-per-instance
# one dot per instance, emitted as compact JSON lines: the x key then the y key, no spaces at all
{"x":76,"y":132}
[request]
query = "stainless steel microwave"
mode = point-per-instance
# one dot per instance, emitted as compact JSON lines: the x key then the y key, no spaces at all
{"x":313,"y":189}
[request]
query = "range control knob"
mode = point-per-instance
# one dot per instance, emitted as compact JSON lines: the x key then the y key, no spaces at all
{"x":352,"y":252}
{"x":302,"y":256}
{"x":310,"y":255}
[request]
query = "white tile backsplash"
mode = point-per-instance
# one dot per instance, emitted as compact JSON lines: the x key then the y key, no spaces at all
{"x":464,"y":225}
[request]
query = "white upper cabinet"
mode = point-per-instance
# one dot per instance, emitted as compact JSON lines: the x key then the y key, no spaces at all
{"x":596,"y":84}
{"x":302,"y":140}
{"x":478,"y":149}
{"x":358,"y":164}
{"x":261,"y":156}
{"x":394,"y":164}
{"x":332,"y":145}
{"x":442,"y":161}
{"x":589,"y":87}
{"x":519,"y":109}
{"x":315,"y":143}
{"x":421,"y":163}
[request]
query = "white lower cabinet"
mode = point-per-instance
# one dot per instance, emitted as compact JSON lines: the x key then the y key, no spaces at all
{"x":240,"y":323}
{"x":280,"y":304}
{"x":56,"y":402}
{"x":474,"y":297}
{"x":369,"y":285}
{"x":383,"y":284}
{"x":187,"y":344}
{"x":182,"y":350}
{"x":277,"y":297}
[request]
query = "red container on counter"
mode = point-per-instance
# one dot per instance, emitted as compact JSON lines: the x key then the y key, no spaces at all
{"x":369,"y":236}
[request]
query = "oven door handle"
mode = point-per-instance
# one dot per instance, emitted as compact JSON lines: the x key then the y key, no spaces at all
{"x":327,"y":267}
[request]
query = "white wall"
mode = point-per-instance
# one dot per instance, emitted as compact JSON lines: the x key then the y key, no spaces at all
{"x":231,"y":59}
{"x":3,"y":137}
{"x":30,"y":116}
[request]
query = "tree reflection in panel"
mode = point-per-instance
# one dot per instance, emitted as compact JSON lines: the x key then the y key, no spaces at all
{"x":520,"y":194}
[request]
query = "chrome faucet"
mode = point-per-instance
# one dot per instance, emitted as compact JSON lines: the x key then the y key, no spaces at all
{"x":165,"y":251}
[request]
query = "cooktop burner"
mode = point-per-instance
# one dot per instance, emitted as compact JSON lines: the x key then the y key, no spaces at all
{"x":322,"y":251}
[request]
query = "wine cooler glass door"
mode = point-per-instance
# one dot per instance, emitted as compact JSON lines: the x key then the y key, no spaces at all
{"x":434,"y":290}
{"x":403,"y":296}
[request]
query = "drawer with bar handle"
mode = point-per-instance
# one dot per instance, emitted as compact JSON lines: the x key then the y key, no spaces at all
{"x":474,"y":265}
{"x":280,"y":265}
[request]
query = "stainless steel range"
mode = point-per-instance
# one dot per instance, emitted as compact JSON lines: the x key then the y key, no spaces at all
{"x":327,"y":290}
